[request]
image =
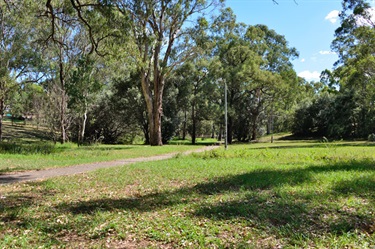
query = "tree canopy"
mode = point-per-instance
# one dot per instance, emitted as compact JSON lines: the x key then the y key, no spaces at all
{"x":115,"y":70}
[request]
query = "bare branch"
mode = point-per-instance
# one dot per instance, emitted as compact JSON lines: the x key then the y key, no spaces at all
{"x":91,"y":37}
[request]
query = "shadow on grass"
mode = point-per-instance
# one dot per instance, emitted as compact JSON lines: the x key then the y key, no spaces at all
{"x":107,"y":147}
{"x":13,"y":205}
{"x":22,"y":132}
{"x":257,"y":198}
{"x":313,"y":145}
{"x":198,"y":142}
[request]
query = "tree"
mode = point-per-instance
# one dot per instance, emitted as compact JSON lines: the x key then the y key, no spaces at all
{"x":277,"y":77}
{"x":355,"y":70}
{"x":254,"y":62}
{"x":130,"y":106}
{"x":82,"y":90}
{"x":68,"y":46}
{"x":237,"y":63}
{"x":158,"y":32}
{"x":17,"y":55}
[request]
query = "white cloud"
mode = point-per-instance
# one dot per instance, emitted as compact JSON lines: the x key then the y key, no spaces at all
{"x":309,"y":76}
{"x":333,"y":16}
{"x":303,"y":60}
{"x":326,"y":52}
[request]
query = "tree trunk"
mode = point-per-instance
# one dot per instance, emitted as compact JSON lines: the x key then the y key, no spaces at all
{"x":254,"y":127}
{"x":184,"y":126}
{"x":63,"y":97}
{"x":230,"y":130}
{"x":193,"y":133}
{"x":1,"y":118}
{"x":83,"y":129}
{"x":255,"y":113}
{"x":269,"y":125}
{"x":146,"y":133}
{"x":220,"y":132}
{"x":154,"y":107}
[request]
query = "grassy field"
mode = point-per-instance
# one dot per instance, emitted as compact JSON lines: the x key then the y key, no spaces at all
{"x":284,"y":195}
{"x":71,"y":154}
{"x":26,"y":148}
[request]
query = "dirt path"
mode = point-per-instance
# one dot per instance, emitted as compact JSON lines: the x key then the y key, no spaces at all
{"x":82,"y":168}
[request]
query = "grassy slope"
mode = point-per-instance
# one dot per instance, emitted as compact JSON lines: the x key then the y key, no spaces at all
{"x":292,"y":195}
{"x":24,"y":133}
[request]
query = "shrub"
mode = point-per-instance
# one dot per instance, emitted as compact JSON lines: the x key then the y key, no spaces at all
{"x":371,"y":137}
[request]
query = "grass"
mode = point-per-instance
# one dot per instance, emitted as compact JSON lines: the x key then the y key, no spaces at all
{"x":26,"y":148}
{"x":70,"y":154}
{"x":290,"y":195}
{"x":199,"y":141}
{"x":24,"y":133}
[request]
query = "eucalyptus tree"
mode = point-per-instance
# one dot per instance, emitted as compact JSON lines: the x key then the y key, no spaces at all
{"x":17,"y":55}
{"x":196,"y":82}
{"x":355,"y":70}
{"x":157,"y":30}
{"x":82,"y":89}
{"x":277,"y":78}
{"x":198,"y":94}
{"x":253,"y":61}
{"x":237,"y":63}
{"x":70,"y":69}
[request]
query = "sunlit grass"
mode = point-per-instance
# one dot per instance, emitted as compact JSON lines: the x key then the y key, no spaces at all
{"x":309,"y":195}
{"x":26,"y":148}
{"x":70,"y":154}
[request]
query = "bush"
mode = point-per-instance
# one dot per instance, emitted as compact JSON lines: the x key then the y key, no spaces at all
{"x":371,"y":137}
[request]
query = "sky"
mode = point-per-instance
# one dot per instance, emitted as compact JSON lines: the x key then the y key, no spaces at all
{"x":308,"y":25}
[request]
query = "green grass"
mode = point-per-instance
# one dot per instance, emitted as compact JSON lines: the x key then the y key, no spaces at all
{"x":70,"y":154}
{"x":21,"y":133}
{"x":285,"y":195}
{"x":26,"y":148}
{"x":199,"y":141}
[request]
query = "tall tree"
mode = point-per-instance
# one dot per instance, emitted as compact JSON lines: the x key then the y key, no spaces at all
{"x":158,"y":31}
{"x":238,"y":64}
{"x":17,"y":55}
{"x":67,"y":46}
{"x":82,"y":90}
{"x":355,"y":44}
{"x":277,"y":77}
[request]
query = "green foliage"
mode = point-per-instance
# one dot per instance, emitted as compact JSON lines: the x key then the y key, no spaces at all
{"x":255,"y":63}
{"x":332,"y":115}
{"x":371,"y":137}
{"x":354,"y":72}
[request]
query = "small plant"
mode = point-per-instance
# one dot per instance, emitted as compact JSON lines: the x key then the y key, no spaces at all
{"x":325,"y":140}
{"x":371,"y":137}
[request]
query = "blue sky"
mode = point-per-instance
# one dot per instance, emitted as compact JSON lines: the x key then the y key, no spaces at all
{"x":308,"y":25}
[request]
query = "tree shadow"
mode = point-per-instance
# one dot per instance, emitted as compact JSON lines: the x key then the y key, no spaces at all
{"x":261,"y":201}
{"x":13,"y":204}
{"x":312,"y":145}
{"x":8,"y":179}
{"x":107,"y":148}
